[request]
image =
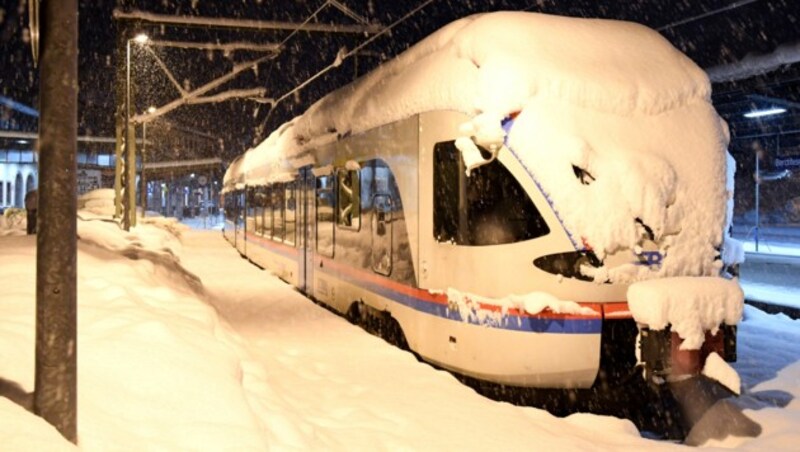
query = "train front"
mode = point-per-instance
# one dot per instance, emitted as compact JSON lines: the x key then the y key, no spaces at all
{"x":615,"y":130}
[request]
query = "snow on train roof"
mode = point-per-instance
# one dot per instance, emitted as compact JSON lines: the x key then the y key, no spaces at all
{"x":494,"y":63}
{"x":611,"y":98}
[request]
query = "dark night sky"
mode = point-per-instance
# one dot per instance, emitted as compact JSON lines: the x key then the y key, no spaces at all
{"x":756,"y":27}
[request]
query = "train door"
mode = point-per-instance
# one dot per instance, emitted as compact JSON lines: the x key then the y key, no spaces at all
{"x":307,"y":196}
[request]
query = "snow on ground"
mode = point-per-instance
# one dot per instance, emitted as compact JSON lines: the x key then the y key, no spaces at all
{"x":787,"y":294}
{"x":773,"y":247}
{"x":244,"y":362}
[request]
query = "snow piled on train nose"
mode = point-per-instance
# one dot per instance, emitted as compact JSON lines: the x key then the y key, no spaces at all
{"x":619,"y":183}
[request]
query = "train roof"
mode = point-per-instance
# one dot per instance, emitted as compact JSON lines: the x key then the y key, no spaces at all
{"x":494,"y":63}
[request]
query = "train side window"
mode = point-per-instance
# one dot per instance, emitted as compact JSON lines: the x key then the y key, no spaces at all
{"x":250,"y":215}
{"x":326,"y":208}
{"x":290,"y":210}
{"x":488,"y":207}
{"x":348,"y":214}
{"x":267,"y":212}
{"x":259,"y":210}
{"x":381,"y":225}
{"x":277,"y":212}
{"x":240,"y":206}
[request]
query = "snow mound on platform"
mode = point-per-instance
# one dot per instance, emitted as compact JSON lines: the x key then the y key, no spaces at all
{"x":98,"y":202}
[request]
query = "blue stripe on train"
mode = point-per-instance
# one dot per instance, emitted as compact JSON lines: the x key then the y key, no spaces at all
{"x":487,"y":319}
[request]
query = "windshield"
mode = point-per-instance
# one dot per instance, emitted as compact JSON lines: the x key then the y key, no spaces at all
{"x":488,"y":207}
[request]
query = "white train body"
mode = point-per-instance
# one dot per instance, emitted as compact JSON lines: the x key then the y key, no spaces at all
{"x":499,"y":274}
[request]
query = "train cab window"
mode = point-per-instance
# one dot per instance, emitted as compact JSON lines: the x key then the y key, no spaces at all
{"x":290,"y":206}
{"x":277,"y":212}
{"x":326,"y":208}
{"x":348,"y":214}
{"x":488,"y":207}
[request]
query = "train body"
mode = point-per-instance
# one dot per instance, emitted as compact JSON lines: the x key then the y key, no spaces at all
{"x":460,"y":194}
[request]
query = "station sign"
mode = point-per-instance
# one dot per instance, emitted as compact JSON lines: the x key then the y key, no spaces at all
{"x":88,"y":180}
{"x":786,"y":162}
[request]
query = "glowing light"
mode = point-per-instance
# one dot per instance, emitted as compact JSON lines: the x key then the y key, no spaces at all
{"x":141,"y":38}
{"x":766,"y":112}
{"x":151,"y":109}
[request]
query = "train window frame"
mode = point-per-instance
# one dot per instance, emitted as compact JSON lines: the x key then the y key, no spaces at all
{"x":330,"y":188}
{"x":459,"y":216}
{"x":354,"y":199}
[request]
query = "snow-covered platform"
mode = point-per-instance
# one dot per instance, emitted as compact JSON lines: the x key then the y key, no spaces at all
{"x":771,"y":279}
{"x":184,"y":345}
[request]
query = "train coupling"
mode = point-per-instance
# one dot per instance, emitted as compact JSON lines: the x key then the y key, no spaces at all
{"x":706,"y":407}
{"x":664,"y":360}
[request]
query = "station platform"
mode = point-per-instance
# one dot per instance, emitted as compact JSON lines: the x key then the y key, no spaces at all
{"x":770,"y":274}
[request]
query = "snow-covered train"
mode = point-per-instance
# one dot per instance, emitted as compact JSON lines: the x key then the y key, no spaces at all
{"x":488,"y":197}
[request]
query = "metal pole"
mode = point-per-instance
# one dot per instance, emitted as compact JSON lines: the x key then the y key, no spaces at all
{"x":129,"y":195}
{"x":126,"y":218}
{"x":55,"y":391}
{"x":119,"y":119}
{"x":143,"y":176}
{"x":758,"y":195}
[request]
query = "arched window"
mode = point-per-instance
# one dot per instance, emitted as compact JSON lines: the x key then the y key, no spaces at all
{"x":30,"y":183}
{"x":19,"y":191}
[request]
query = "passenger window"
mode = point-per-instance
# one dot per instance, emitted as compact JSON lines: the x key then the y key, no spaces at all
{"x":259,"y":203}
{"x":290,"y":209}
{"x":267,"y":211}
{"x":382,"y":234}
{"x":326,"y":206}
{"x":349,"y":199}
{"x":250,"y":225}
{"x":488,"y":207}
{"x":277,"y":212}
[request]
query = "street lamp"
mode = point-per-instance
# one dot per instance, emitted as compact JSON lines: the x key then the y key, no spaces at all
{"x":129,"y":218}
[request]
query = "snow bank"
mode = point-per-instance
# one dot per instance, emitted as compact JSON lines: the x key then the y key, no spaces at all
{"x":151,"y":238}
{"x":13,"y":221}
{"x":690,"y":305}
{"x":98,"y":202}
{"x":158,"y":370}
{"x":22,"y":431}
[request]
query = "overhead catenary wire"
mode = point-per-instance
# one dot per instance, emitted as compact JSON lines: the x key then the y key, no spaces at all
{"x":340,"y":58}
{"x":706,"y":14}
{"x":296,"y":30}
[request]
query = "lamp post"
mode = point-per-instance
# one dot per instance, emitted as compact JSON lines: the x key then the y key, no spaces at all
{"x":129,"y":197}
{"x":144,"y":154}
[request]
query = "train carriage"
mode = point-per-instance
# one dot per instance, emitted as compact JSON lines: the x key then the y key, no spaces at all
{"x":490,"y":194}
